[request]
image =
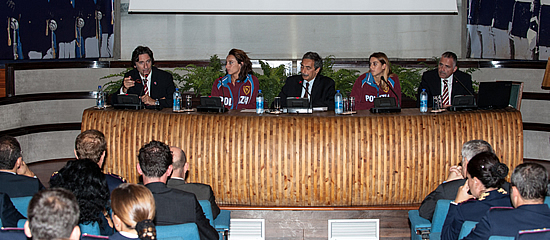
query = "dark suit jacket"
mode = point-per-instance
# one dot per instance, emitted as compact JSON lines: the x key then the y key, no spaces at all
{"x":162,"y":85}
{"x":322,"y":92}
{"x":201,"y":191}
{"x":509,"y":221}
{"x":19,"y":185}
{"x":432,"y":83}
{"x":8,"y":212}
{"x":176,"y":207}
{"x":113,"y":181}
{"x":447,"y":191}
{"x":118,"y":236}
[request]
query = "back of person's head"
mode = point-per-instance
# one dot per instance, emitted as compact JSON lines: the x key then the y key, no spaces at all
{"x":475,"y":147}
{"x":488,"y":169}
{"x":141,"y":50}
{"x":52,"y":214}
{"x":85,"y":180}
{"x":134,"y":205}
{"x":10,"y":151}
{"x":531,"y":180}
{"x":90,"y":144}
{"x":181,"y":161}
{"x":154,"y":159}
{"x":318,"y":61}
{"x":450,"y":55}
{"x":243,"y":59}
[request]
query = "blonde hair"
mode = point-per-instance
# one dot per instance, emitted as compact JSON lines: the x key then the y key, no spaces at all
{"x":133,"y":203}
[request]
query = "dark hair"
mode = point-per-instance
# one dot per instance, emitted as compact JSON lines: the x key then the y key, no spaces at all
{"x":243,"y":59}
{"x":318,"y":61}
{"x":488,"y":169}
{"x":531,"y":180}
{"x":85,"y":180}
{"x":10,"y":151}
{"x":141,"y":50}
{"x":450,"y":55}
{"x":134,"y":205}
{"x":179,"y":163}
{"x":90,"y":144}
{"x":52,"y":214}
{"x":154,"y":159}
{"x":474,"y":147}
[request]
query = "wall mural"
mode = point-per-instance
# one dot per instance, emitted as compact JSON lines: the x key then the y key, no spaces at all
{"x":509,"y":29}
{"x":57,"y":29}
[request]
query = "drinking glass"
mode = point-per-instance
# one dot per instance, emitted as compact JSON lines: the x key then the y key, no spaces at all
{"x":277,"y":103}
{"x":351,"y":104}
{"x":188,"y":102}
{"x":345,"y":104}
{"x":436,"y":103}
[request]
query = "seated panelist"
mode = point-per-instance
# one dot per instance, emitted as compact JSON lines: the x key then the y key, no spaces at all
{"x":238,"y":87}
{"x":154,"y":86}
{"x":320,"y":89}
{"x":370,"y":85}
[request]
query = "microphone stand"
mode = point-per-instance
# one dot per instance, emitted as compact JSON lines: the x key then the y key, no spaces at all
{"x":391,"y":88}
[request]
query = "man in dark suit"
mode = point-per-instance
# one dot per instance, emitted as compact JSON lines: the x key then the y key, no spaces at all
{"x":8,"y":213}
{"x":154,"y":86}
{"x":529,"y":187}
{"x":173,"y":206}
{"x":310,"y":84}
{"x":434,"y":80}
{"x":449,"y":188}
{"x":91,"y":144}
{"x":177,"y":180}
{"x":16,"y":177}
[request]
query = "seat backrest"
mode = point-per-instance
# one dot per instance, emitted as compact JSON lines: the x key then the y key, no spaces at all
{"x":547,"y":200}
{"x":90,"y":228}
{"x":543,"y":233}
{"x":187,"y":231}
{"x":500,"y":238}
{"x":22,"y":204}
{"x":467,"y":227}
{"x":207,"y":209}
{"x":440,"y":213}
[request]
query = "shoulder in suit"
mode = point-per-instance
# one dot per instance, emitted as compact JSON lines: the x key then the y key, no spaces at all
{"x":18,"y":185}
{"x":201,"y":191}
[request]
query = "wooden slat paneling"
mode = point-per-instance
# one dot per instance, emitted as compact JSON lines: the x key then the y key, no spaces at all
{"x":311,"y":160}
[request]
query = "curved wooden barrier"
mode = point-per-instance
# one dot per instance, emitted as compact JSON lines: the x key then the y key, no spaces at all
{"x":310,"y":160}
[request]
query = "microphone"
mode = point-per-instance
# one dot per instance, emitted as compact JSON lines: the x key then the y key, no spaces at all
{"x":463,"y":102}
{"x":308,"y":93}
{"x":391,"y":88}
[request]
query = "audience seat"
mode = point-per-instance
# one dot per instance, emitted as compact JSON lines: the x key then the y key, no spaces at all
{"x":221,"y":223}
{"x":467,"y":227}
{"x":500,"y":238}
{"x":187,"y":231}
{"x":421,"y":225}
{"x":91,"y":228}
{"x":22,"y":204}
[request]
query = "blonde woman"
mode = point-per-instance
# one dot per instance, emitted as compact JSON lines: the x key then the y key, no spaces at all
{"x":133,"y":212}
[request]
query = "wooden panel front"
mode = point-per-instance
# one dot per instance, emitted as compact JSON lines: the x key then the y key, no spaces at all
{"x":310,"y":160}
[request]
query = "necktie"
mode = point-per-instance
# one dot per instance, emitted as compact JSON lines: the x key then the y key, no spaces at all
{"x":306,"y":95}
{"x":145,"y":88}
{"x":446,"y":92}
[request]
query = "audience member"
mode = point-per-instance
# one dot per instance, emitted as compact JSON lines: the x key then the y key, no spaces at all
{"x":91,"y":144}
{"x":86,"y":181}
{"x":152,"y":85}
{"x":180,"y":168}
{"x":53,"y":214}
{"x":486,"y":175}
{"x":238,"y":87}
{"x":9,"y":215}
{"x":133,"y":212}
{"x":529,"y":181}
{"x":449,"y":188}
{"x":16,"y":177}
{"x":173,"y":206}
{"x":444,"y":81}
{"x":369,"y":86}
{"x":310,"y":84}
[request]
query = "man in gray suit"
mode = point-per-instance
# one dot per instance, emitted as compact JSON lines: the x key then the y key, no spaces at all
{"x":177,"y":180}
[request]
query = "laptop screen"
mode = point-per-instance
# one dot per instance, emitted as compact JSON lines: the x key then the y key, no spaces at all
{"x":494,"y":95}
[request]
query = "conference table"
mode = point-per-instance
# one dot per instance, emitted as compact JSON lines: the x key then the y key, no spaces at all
{"x":310,"y":160}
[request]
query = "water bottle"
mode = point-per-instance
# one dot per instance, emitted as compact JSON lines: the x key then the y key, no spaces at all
{"x":260,"y":102}
{"x":424,"y":101}
{"x":338,"y":104}
{"x":100,"y":98}
{"x":177,"y":100}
